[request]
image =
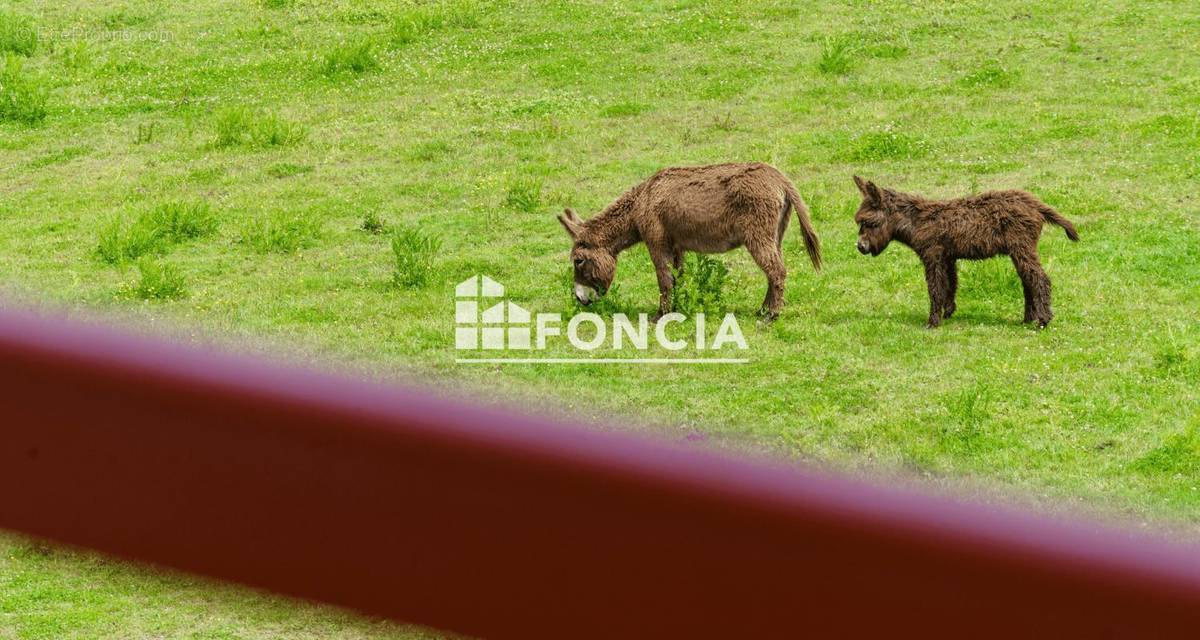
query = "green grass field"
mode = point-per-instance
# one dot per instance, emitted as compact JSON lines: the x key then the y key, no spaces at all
{"x":317,"y":176}
{"x":51,"y":593}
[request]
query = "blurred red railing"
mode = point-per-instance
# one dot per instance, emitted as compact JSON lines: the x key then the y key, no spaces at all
{"x":400,"y":504}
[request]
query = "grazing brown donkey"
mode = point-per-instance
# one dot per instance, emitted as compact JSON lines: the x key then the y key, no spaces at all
{"x":709,"y":209}
{"x":974,"y":228}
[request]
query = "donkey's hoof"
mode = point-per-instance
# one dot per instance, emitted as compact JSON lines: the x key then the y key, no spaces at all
{"x":949,"y":311}
{"x":767,"y":316}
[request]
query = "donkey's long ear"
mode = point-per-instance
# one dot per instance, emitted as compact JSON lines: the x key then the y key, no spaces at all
{"x":869,"y":191}
{"x":861,"y":184}
{"x":874,"y":194}
{"x":571,"y":223}
{"x":570,"y":213}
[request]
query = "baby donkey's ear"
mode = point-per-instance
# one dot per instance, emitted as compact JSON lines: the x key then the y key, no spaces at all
{"x":869,"y":191}
{"x":861,"y":184}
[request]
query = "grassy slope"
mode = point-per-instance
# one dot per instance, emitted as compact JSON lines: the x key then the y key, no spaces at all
{"x":56,"y":594}
{"x":1093,"y":108}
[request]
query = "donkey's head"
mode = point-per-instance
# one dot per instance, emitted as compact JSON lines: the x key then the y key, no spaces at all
{"x":877,"y":220}
{"x":595,"y":265}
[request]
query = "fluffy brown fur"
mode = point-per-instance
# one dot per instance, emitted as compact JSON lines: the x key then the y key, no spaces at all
{"x":943,"y":231}
{"x":709,"y":209}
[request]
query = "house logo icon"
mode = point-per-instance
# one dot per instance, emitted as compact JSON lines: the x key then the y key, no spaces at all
{"x":484,"y":320}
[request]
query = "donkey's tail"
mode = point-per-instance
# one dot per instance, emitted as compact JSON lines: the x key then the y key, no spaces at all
{"x":812,"y":244}
{"x":1054,"y":217}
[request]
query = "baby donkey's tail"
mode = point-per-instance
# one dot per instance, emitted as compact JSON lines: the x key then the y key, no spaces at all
{"x":1054,"y":217}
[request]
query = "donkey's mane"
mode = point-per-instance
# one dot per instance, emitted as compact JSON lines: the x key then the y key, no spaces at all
{"x":615,"y":224}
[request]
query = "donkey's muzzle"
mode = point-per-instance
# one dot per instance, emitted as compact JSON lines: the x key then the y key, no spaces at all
{"x":863,"y":247}
{"x":585,"y":294}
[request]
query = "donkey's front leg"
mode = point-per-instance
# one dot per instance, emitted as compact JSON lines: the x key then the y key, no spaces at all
{"x":939,"y":287}
{"x":677,"y":259}
{"x":951,"y":288}
{"x":666,"y":281}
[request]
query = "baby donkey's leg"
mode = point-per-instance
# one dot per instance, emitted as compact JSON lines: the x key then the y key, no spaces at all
{"x":1027,"y":290}
{"x":952,"y":288}
{"x":1037,"y":287}
{"x":937,"y":279}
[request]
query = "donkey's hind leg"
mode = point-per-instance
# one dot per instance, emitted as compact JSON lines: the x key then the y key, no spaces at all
{"x":1027,"y":290}
{"x":769,"y":258}
{"x":783,"y":225}
{"x":1037,"y":287}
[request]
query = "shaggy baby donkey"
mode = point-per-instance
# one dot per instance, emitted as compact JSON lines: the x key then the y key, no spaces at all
{"x":708,"y":209}
{"x":943,"y":231}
